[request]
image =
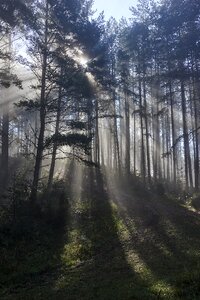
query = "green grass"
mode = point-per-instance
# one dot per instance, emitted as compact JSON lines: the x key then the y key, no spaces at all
{"x":106,"y":251}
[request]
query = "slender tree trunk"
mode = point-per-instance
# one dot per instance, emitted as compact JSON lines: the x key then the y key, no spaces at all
{"x":134,"y":143}
{"x":55,"y":145}
{"x":5,"y":125}
{"x":163,"y":148}
{"x":116,"y":139}
{"x":157,"y":144}
{"x":121,"y":133}
{"x":5,"y":146}
{"x":173,"y":132}
{"x":143,"y":161}
{"x":196,"y":133}
{"x":147,"y":133}
{"x":97,"y":149}
{"x":168,"y":145}
{"x":90,"y":126}
{"x":127,"y":126}
{"x":188,"y":167}
{"x":40,"y":145}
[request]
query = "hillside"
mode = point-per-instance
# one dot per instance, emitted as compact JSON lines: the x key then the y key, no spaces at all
{"x":109,"y":242}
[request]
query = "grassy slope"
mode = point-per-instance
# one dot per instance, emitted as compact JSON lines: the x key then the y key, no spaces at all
{"x":117,"y":245}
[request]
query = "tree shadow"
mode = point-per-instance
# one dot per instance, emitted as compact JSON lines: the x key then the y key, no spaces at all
{"x":90,"y":257}
{"x":102,"y":270}
{"x":166,"y":237}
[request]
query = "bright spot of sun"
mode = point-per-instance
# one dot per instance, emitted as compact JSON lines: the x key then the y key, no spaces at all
{"x":84,"y":61}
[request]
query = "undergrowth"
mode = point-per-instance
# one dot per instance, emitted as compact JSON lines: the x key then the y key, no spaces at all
{"x":91,"y":247}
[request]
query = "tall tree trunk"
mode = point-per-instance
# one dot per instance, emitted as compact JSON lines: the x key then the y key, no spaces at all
{"x":97,"y":148}
{"x":188,"y":167}
{"x":40,"y":145}
{"x":168,"y":145}
{"x":5,"y":147}
{"x":55,"y":145}
{"x":157,"y":155}
{"x":143,"y":161}
{"x":134,"y":143}
{"x":147,"y":133}
{"x":127,"y":126}
{"x":173,"y":132}
{"x":116,"y":139}
{"x":196,"y":133}
{"x":5,"y":122}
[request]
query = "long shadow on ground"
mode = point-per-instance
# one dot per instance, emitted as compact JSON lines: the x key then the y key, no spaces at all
{"x":166,"y":238}
{"x":89,"y":264}
{"x":117,"y":244}
{"x":99,"y":268}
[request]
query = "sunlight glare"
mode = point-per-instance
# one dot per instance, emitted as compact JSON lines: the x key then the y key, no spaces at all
{"x":83,"y":61}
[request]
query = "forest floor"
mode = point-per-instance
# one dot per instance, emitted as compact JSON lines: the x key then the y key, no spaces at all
{"x":118,"y":242}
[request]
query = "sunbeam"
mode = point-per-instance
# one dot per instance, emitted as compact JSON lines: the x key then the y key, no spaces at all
{"x":99,"y":150}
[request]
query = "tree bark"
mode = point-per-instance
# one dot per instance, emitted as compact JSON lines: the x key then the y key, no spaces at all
{"x":40,"y":145}
{"x":127,"y":126}
{"x":55,"y":145}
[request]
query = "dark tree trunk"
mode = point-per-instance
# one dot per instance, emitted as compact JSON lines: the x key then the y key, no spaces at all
{"x":173,"y":132}
{"x":143,"y":161}
{"x":55,"y":145}
{"x":196,"y":133}
{"x":127,"y":126}
{"x":147,"y":134}
{"x":40,"y":145}
{"x":97,"y":148}
{"x":188,"y":167}
{"x":116,"y":139}
{"x":5,"y":147}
